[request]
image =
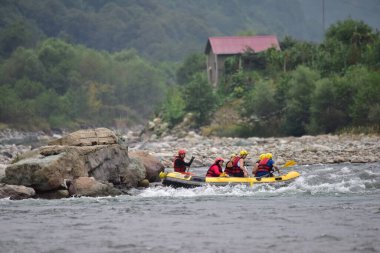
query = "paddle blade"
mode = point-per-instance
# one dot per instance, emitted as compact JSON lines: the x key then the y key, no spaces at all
{"x":289,"y":163}
{"x":163,"y":174}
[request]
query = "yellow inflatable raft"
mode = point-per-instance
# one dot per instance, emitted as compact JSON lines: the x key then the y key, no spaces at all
{"x":189,"y":180}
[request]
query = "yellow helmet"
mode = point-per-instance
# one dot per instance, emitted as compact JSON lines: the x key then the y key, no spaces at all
{"x":243,"y":152}
{"x":269,"y":155}
{"x":262,"y":156}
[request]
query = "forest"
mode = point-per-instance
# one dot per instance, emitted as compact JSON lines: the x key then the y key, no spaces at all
{"x":56,"y":72}
{"x":305,"y":88}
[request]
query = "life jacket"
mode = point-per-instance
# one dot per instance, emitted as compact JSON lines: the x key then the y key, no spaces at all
{"x":179,"y":168}
{"x":235,"y":170}
{"x":212,"y":169}
{"x":228,"y":169}
{"x":263,"y":165}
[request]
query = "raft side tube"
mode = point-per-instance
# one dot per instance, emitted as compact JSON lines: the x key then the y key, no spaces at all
{"x":176,"y":179}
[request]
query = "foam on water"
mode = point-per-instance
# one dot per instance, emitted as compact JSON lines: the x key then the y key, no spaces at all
{"x":314,"y":180}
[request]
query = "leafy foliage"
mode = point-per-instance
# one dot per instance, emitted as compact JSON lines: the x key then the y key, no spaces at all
{"x":297,"y":115}
{"x":174,"y":107}
{"x":48,"y":80}
{"x":200,"y":98}
{"x":58,"y":84}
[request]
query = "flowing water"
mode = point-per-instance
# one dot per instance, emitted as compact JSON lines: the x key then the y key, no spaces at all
{"x":330,"y":208}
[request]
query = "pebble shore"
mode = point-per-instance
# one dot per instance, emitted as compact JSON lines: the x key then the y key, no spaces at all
{"x":305,"y":150}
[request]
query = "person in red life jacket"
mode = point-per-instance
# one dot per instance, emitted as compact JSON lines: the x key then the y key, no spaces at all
{"x":238,"y":167}
{"x":216,"y":169}
{"x":266,"y":166}
{"x":229,"y":164}
{"x":179,"y":162}
{"x":256,"y":166}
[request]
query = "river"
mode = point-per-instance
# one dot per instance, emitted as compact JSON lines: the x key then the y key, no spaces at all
{"x":330,"y":208}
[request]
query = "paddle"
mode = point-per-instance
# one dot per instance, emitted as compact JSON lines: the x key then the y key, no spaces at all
{"x":287,"y":164}
{"x":190,"y":162}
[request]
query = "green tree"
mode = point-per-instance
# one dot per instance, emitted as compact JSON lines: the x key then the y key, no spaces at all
{"x":326,"y":116}
{"x":260,"y":101}
{"x":193,"y":64}
{"x":200,"y":98}
{"x":27,"y":89}
{"x":22,"y":64}
{"x":9,"y":104}
{"x":346,"y":44}
{"x":173,"y":106}
{"x":16,"y":35}
{"x":297,"y":115}
{"x":145,"y":88}
{"x":58,"y":58}
{"x":364,"y":109}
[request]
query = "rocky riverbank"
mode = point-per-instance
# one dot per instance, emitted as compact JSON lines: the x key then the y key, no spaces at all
{"x":322,"y":149}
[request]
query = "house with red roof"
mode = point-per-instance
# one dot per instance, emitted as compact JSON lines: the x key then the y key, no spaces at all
{"x":219,"y":48}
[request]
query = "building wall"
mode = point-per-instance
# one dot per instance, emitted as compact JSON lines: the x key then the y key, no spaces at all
{"x":215,"y":68}
{"x":211,"y":70}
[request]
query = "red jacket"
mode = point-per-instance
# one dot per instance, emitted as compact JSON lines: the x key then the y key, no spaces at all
{"x":214,"y":171}
{"x":264,"y":166}
{"x":235,"y":170}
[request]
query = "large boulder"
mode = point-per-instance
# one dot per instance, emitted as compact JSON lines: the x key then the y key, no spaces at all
{"x":46,"y":172}
{"x":152,"y":164}
{"x":79,"y":155}
{"x":134,"y":174}
{"x":107,"y":163}
{"x":88,"y":137}
{"x":88,"y":186}
{"x":16,"y":191}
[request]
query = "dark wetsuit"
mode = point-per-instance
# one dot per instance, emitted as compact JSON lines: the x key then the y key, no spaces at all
{"x":180,"y":165}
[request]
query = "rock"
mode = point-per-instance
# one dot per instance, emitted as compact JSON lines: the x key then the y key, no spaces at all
{"x":7,"y":154}
{"x":152,"y":164}
{"x":72,"y":190}
{"x":2,"y":171}
{"x":107,"y":163}
{"x":358,"y":159}
{"x":144,"y":183}
{"x":49,"y":168}
{"x":59,"y":194}
{"x":133,"y":174}
{"x":88,"y":186}
{"x":338,"y":159}
{"x":89,"y":137}
{"x":16,"y":192}
{"x":46,"y":173}
{"x":53,"y":164}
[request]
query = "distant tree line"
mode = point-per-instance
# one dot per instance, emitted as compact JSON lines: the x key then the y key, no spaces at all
{"x":305,"y":88}
{"x":160,"y":30}
{"x":59,"y":85}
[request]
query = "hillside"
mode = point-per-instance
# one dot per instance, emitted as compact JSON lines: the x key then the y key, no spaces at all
{"x":76,"y":64}
{"x":170,"y":30}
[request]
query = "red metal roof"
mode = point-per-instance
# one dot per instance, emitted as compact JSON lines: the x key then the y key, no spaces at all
{"x":239,"y":44}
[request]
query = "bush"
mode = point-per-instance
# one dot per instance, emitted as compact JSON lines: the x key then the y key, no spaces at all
{"x":366,"y":100}
{"x":200,"y":99}
{"x":173,"y":107}
{"x":297,"y":115}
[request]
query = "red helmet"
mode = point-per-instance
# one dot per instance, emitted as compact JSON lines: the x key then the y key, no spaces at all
{"x":219,"y":159}
{"x":181,"y":152}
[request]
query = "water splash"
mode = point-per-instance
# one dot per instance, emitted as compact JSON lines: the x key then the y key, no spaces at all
{"x":314,"y":180}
